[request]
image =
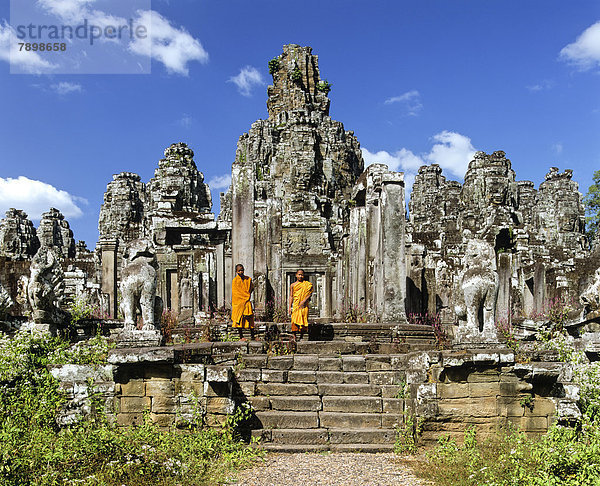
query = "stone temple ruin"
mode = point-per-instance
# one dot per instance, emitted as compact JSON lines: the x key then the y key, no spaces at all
{"x":492,"y":249}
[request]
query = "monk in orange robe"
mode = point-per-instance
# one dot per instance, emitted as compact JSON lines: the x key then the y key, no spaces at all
{"x":300,"y":292}
{"x":242,"y":314}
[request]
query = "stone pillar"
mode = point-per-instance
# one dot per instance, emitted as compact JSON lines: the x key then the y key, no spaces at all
{"x":503,"y":304}
{"x":220,"y":274}
{"x":539,"y":287}
{"x":393,"y":221}
{"x":108,"y":248}
{"x":242,"y":225}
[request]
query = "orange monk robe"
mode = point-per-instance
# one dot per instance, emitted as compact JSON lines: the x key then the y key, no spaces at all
{"x":302,"y":290}
{"x":240,"y":302}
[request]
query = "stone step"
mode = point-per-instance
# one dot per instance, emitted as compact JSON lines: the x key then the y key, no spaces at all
{"x":362,"y":436}
{"x":348,"y":420}
{"x":369,"y":448}
{"x":294,"y":449}
{"x":299,"y":448}
{"x":285,"y":420}
{"x":321,"y":436}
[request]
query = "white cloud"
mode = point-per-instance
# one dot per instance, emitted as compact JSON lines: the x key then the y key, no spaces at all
{"x":544,"y":85}
{"x":410,"y":101}
{"x":220,"y":182}
{"x":29,"y":61}
{"x":585,"y":51}
{"x":248,"y":78}
{"x":452,"y":152}
{"x":557,"y":148}
{"x":403,"y":159}
{"x":64,"y":88}
{"x":175,"y":48}
{"x":185,"y":121}
{"x":36,"y":197}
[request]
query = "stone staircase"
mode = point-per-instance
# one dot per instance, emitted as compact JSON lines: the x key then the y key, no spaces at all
{"x":318,"y":402}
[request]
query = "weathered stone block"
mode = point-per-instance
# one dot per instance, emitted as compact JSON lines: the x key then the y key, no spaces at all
{"x":220,"y":405}
{"x":349,"y":420}
{"x":468,"y":407}
{"x":248,"y":374}
{"x":159,"y":387}
{"x":218,"y":374}
{"x":286,"y":420}
{"x":289,"y":389}
{"x":362,"y":436}
{"x":246,"y":388}
{"x":386,"y":377}
{"x":230,"y":347}
{"x":306,"y":363}
{"x":292,"y":436}
{"x":541,"y":407}
{"x":193,"y":372}
{"x":280,"y":362}
{"x":353,"y":363}
{"x":259,"y":361}
{"x":330,"y":377}
{"x":189,"y":388}
{"x":302,"y":377}
{"x":453,"y":390}
{"x":352,"y":404}
{"x":392,"y":420}
{"x":134,"y":404}
{"x":361,"y":390}
{"x":330,"y":364}
{"x":274,"y":376}
{"x":512,"y":389}
{"x":162,"y":404}
{"x":260,"y":403}
{"x":487,"y":376}
{"x":378,"y":363}
{"x":356,"y":377}
{"x":300,"y":404}
{"x":484,"y":389}
{"x":393,"y":405}
{"x":162,"y":419}
{"x":509,"y":407}
{"x":126,"y":419}
{"x":133,"y":388}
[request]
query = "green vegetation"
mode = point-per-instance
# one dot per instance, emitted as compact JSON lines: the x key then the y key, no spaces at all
{"x":565,"y":456}
{"x":296,"y":75}
{"x":592,"y":206}
{"x":274,"y":65}
{"x":35,"y":451}
{"x":324,"y":86}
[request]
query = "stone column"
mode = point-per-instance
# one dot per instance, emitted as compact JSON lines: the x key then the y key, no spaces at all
{"x":539,"y":287}
{"x":504,"y":288}
{"x":220,"y":274}
{"x":393,"y":221}
{"x":108,"y":248}
{"x":242,"y":225}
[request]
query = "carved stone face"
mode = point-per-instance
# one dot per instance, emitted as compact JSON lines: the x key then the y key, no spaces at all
{"x":496,"y":190}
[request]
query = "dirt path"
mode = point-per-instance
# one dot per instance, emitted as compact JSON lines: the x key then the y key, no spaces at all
{"x":329,"y":469}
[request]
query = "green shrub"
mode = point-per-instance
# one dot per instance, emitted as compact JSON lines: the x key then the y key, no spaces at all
{"x":324,"y":86}
{"x":35,"y":451}
{"x":274,"y":65}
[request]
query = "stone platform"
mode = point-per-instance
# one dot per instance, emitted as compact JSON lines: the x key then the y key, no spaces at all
{"x":331,"y":395}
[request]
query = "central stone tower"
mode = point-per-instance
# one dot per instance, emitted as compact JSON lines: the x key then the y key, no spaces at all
{"x":292,"y":179}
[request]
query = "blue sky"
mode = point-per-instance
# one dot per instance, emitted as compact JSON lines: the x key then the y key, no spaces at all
{"x":417,"y":81}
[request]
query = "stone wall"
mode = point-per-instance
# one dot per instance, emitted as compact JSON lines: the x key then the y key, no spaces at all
{"x":336,"y":399}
